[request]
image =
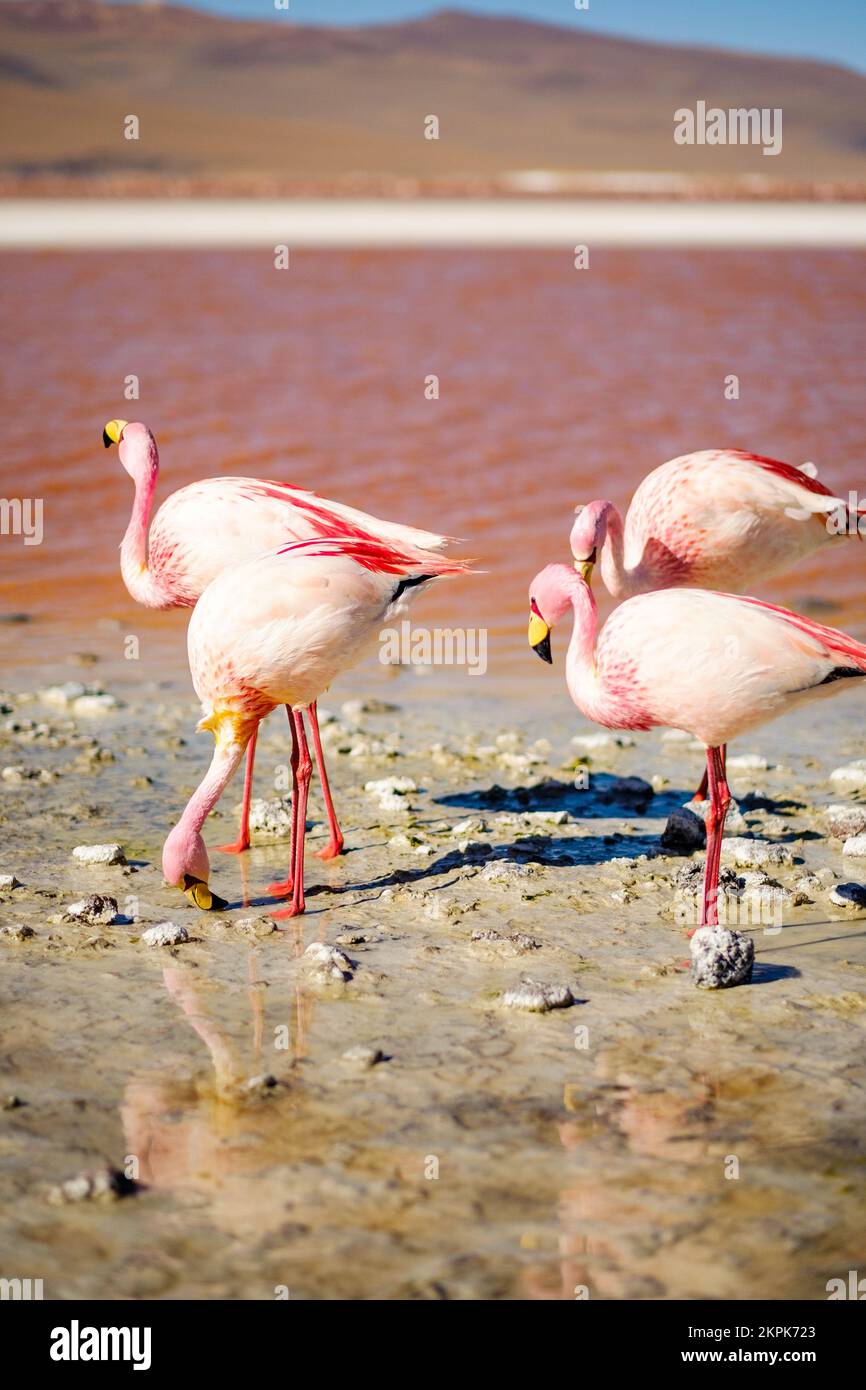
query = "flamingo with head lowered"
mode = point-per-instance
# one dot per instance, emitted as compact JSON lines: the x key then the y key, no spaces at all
{"x":719,"y":519}
{"x":712,"y":664}
{"x":208,"y":525}
{"x":277,"y":630}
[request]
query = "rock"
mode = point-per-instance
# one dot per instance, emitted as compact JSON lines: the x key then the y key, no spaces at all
{"x":748,"y":762}
{"x":95,"y":910}
{"x":99,"y":854}
{"x":391,"y":792}
{"x":412,"y":842}
{"x":333,"y":963}
{"x":271,"y":819}
{"x":91,"y":705}
{"x":721,"y":958}
{"x":13,"y":1103}
{"x":851,"y":777}
{"x":63,"y":695}
{"x":754,"y":853}
{"x":735,"y":821}
{"x":351,"y":937}
{"x":353,"y":709}
{"x":259,"y":1085}
{"x":844,"y":822}
{"x":513,"y":944}
{"x":363,"y":1056}
{"x":684,"y":831}
{"x":164,"y":934}
{"x":17,"y":931}
{"x":633,"y":790}
{"x":545,"y":817}
{"x":473,"y":826}
{"x":102,"y":1182}
{"x":593,"y":742}
{"x":856,"y":846}
{"x":849,"y":895}
{"x":504,"y":874}
{"x":537,"y":997}
{"x":8,"y":881}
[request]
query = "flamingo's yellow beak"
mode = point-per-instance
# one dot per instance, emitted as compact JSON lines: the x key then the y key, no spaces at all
{"x":539,"y":637}
{"x":200,"y":895}
{"x":585,"y":567}
{"x":112,"y":432}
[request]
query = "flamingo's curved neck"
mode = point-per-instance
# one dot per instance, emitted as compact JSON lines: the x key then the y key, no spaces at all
{"x":580,"y":661}
{"x":617,"y":579}
{"x":133,"y":549}
{"x":206,"y":795}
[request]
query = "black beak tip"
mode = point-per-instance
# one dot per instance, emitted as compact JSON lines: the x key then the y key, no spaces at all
{"x":542,"y":649}
{"x":106,"y":439}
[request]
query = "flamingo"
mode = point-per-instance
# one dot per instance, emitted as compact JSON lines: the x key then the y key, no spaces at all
{"x":717,"y":519}
{"x":208,"y":525}
{"x":276,"y":630}
{"x":712,"y":664}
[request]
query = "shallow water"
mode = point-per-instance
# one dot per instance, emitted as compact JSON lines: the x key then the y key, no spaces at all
{"x":492,"y":1153}
{"x":556,"y":386}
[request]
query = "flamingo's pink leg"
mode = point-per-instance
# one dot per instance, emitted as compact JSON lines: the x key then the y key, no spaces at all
{"x":304,"y":773}
{"x":243,"y":840}
{"x":701,"y":793}
{"x":335,"y":844}
{"x":284,"y":888}
{"x":720,"y":800}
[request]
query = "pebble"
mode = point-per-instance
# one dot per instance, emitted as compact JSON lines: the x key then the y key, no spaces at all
{"x":259,"y":1085}
{"x":749,"y":762}
{"x":849,"y":895}
{"x":16,"y":931}
{"x":102,"y":1182}
{"x":402,"y":840}
{"x":90,"y":705}
{"x":391,"y":792}
{"x":516,"y":943}
{"x":684,"y":830}
{"x":630,"y":789}
{"x":8,"y":881}
{"x":473,"y":826}
{"x":856,"y":845}
{"x":844,"y":822}
{"x":592,"y":742}
{"x":99,"y":854}
{"x":335,"y":963}
{"x":721,"y":958}
{"x":851,"y":777}
{"x":271,"y":818}
{"x":735,"y":821}
{"x":353,"y":709}
{"x":505,"y":874}
{"x":754,"y":853}
{"x":164,"y":934}
{"x":537,"y":997}
{"x":63,"y":695}
{"x":96,"y":910}
{"x":363,"y":1056}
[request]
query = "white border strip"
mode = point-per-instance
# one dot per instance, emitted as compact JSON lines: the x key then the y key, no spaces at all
{"x":80,"y":224}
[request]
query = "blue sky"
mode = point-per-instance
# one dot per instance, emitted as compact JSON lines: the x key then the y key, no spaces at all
{"x":831,"y":29}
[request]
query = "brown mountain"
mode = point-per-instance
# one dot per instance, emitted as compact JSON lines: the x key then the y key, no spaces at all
{"x":233,"y":104}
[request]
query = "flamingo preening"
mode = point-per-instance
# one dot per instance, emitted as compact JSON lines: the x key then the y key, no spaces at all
{"x":712,"y":664}
{"x":718,"y":519}
{"x":204,"y":527}
{"x":276,"y":630}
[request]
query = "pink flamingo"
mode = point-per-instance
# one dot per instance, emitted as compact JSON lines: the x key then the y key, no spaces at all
{"x":276,"y":630}
{"x":712,"y":664}
{"x":718,"y":519}
{"x":202,"y":528}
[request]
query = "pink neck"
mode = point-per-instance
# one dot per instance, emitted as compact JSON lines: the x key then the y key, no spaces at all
{"x":133,"y":549}
{"x":612,"y":563}
{"x":210,"y":789}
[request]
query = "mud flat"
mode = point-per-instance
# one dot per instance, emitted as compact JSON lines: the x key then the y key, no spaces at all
{"x":490,"y":1077}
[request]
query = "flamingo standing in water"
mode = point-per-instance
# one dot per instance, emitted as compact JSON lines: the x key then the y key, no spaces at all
{"x":712,"y":664}
{"x":208,"y":525}
{"x":272,"y":631}
{"x":718,"y":519}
